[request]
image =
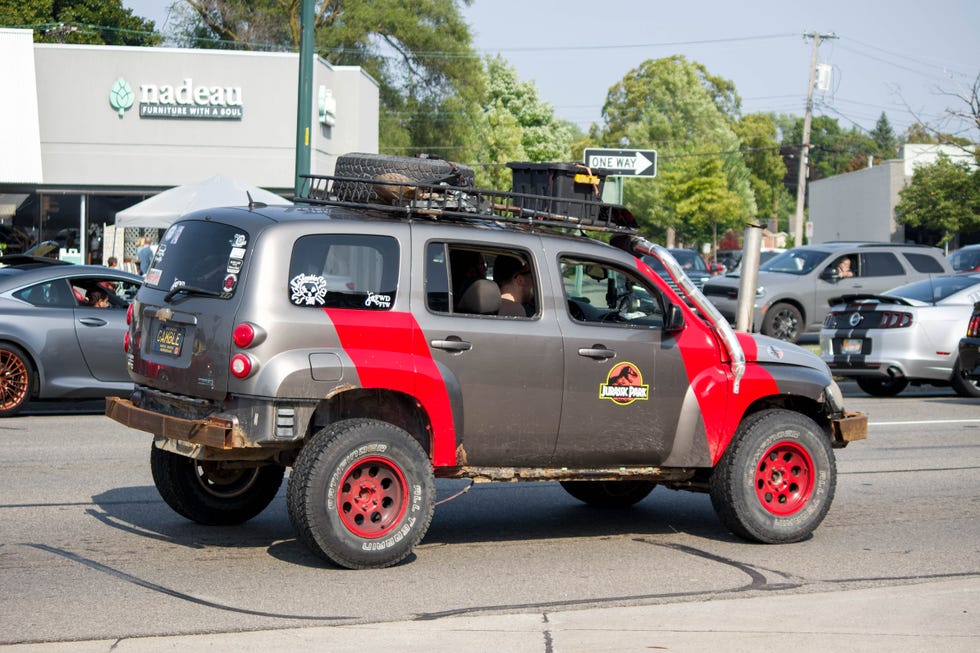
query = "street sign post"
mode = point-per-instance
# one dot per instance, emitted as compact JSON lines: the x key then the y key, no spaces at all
{"x":623,"y":162}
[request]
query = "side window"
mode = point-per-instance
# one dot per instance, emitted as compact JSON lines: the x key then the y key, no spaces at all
{"x":344,"y":271}
{"x":596,"y":292}
{"x":50,"y":294}
{"x":925,"y":263}
{"x":102,"y":292}
{"x":880,"y":264}
{"x":463,"y":279}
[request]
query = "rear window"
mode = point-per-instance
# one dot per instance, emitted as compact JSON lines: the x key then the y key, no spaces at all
{"x":198,"y":254}
{"x":344,"y":271}
{"x":927,"y":264}
{"x":936,"y":289}
{"x":880,"y":264}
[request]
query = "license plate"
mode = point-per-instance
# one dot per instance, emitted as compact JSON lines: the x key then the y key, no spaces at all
{"x":169,"y":340}
{"x":851,"y":346}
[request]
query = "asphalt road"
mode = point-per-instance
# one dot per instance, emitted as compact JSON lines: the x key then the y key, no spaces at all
{"x":89,"y":551}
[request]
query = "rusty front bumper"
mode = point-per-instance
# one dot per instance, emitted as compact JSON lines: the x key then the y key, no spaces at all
{"x":850,"y":427}
{"x":209,"y":432}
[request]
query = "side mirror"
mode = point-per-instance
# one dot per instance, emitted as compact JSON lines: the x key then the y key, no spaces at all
{"x":674,"y":319}
{"x":830,"y":274}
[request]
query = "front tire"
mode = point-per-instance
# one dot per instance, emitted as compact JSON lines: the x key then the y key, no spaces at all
{"x":361,"y":494}
{"x":213,"y":493}
{"x":16,"y":380}
{"x":881,"y":386}
{"x":609,"y":494}
{"x":776,"y":481}
{"x":783,"y":322}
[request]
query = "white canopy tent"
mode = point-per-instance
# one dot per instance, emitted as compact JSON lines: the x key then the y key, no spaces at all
{"x":162,"y":209}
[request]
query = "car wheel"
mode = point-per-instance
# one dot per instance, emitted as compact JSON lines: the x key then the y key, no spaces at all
{"x":213,"y":493}
{"x":881,"y":386}
{"x":404,"y":169}
{"x":776,"y":481}
{"x":361,"y":494}
{"x":963,"y":386}
{"x":16,"y":379}
{"x":783,"y":322}
{"x":609,"y":494}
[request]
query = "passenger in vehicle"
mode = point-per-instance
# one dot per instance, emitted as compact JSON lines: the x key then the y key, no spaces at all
{"x":844,"y":268}
{"x":466,"y":266}
{"x":516,"y":286}
{"x":98,"y":298}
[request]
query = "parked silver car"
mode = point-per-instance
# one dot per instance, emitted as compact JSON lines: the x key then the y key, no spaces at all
{"x":908,"y":335}
{"x":61,"y":331}
{"x":795,"y":286}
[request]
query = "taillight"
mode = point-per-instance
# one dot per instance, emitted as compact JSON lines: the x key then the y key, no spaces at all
{"x":126,"y":342}
{"x":973,"y":330}
{"x":895,"y":320}
{"x":244,"y":335}
{"x":830,"y":322}
{"x":241,"y":365}
{"x":129,"y":314}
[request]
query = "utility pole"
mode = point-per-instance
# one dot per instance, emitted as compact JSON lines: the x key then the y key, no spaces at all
{"x":805,"y":148}
{"x":304,"y":95}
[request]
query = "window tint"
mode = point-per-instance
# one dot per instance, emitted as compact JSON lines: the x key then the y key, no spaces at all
{"x":798,"y":260}
{"x":927,"y":264}
{"x":206,"y":255}
{"x":473,"y":280}
{"x":49,"y":294}
{"x":880,"y":264}
{"x":344,"y":271}
{"x":597,"y":292}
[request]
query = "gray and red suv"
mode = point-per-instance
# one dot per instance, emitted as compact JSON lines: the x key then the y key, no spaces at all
{"x":249,"y":356}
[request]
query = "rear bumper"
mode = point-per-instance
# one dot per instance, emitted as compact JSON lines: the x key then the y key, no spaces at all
{"x":850,"y":427}
{"x":211,"y":432}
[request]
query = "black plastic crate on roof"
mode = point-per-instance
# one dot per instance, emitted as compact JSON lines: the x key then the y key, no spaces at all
{"x":562,"y":181}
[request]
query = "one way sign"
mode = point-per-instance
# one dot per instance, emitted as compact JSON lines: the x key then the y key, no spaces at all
{"x":625,"y":163}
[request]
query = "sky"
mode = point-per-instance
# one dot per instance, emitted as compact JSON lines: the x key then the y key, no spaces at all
{"x":901,"y":57}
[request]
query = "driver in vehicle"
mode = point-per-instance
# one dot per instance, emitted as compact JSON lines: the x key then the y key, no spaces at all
{"x":516,"y":286}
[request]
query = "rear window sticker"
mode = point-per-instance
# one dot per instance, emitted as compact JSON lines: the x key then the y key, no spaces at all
{"x":237,"y":252}
{"x":308,"y":290}
{"x":624,"y":385}
{"x":177,"y":229}
{"x":234,"y":265}
{"x":153,"y":276}
{"x":377,"y":299}
{"x":239,"y":240}
{"x":231,"y":281}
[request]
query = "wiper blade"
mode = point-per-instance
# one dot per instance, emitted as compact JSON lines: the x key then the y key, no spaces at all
{"x":190,"y":290}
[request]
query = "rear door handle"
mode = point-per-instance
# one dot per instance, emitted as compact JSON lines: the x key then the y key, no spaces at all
{"x":451,"y":344}
{"x":597,"y":352}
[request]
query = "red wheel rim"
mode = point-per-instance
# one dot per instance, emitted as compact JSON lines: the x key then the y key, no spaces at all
{"x":372,"y":497}
{"x":13,"y":380}
{"x":784,"y":478}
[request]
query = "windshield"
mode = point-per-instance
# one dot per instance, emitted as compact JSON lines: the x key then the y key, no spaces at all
{"x":203,"y":256}
{"x":935,"y":290}
{"x":795,"y":261}
{"x":689,"y":260}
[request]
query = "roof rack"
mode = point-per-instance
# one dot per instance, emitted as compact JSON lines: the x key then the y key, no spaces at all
{"x":418,"y":200}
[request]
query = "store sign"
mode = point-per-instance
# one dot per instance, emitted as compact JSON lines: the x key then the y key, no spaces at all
{"x":186,"y":101}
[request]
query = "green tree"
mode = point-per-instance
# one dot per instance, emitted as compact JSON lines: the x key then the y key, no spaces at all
{"x":516,"y":125}
{"x":420,"y":52}
{"x":760,"y":150}
{"x":944,"y":197}
{"x":833,"y":150}
{"x":93,"y":22}
{"x":687,"y":115}
{"x":884,"y":138}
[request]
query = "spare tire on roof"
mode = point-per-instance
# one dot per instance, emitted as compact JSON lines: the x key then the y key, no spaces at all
{"x":387,"y":174}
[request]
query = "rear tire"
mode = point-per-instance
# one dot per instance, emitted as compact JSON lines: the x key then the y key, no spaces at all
{"x":776,"y":481}
{"x":881,"y":386}
{"x":361,"y":494}
{"x":16,"y":379}
{"x":383,"y":167}
{"x":609,"y":494}
{"x":963,"y":386}
{"x":213,"y":493}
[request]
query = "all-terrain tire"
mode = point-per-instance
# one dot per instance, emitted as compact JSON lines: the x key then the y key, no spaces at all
{"x":381,"y":168}
{"x":609,"y":494}
{"x":213,"y":493}
{"x":361,"y":494}
{"x":16,"y":379}
{"x":776,"y":481}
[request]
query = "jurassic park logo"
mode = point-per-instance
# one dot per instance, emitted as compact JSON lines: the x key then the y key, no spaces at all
{"x":624,"y":385}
